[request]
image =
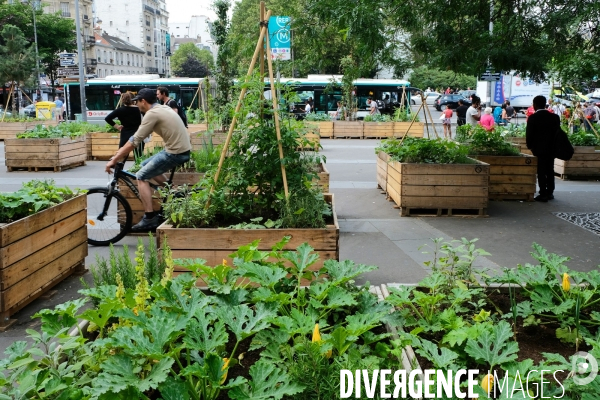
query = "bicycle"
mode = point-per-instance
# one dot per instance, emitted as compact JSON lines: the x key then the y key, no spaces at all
{"x":109,"y":215}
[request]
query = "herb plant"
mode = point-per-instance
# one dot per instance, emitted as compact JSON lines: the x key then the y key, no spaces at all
{"x":71,"y":130}
{"x":317,"y":117}
{"x":583,"y":138}
{"x":195,"y":116}
{"x":378,"y":118}
{"x":404,"y":114}
{"x":482,"y":142}
{"x":34,"y":196}
{"x":419,"y":150}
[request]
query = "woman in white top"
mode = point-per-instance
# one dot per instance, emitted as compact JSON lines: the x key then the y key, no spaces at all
{"x":307,"y":107}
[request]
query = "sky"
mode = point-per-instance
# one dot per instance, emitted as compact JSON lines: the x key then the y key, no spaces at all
{"x":182,"y":10}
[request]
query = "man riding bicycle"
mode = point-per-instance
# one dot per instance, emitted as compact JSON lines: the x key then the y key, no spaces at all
{"x":168,"y":125}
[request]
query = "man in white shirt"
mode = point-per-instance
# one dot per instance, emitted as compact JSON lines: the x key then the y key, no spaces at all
{"x":307,"y":107}
{"x":474,"y":112}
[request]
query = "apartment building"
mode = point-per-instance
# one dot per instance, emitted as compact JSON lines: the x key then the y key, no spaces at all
{"x":66,"y":8}
{"x":117,"y":57}
{"x":144,"y":25}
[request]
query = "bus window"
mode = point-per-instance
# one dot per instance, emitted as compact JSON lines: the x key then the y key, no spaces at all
{"x":98,"y":99}
{"x":328,"y":102}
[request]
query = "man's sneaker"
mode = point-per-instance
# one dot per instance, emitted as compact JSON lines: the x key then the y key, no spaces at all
{"x":542,"y":198}
{"x":147,"y":224}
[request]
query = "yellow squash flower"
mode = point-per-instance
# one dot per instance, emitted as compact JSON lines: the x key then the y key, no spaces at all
{"x":566,"y":284}
{"x":224,"y":368}
{"x":316,"y":337}
{"x":487,"y":383}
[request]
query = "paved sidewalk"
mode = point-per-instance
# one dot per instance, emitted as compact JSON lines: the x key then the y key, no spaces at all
{"x":371,"y":229}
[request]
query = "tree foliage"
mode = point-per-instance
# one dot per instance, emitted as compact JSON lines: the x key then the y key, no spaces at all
{"x":220,"y":29}
{"x":191,"y":68}
{"x":423,"y":77}
{"x":17,"y":58}
{"x":187,"y":50}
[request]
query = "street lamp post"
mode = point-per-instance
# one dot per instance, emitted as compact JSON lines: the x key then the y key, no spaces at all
{"x":80,"y":62}
{"x":37,"y":56}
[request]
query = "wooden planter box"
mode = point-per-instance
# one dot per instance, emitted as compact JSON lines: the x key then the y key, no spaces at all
{"x":325,"y":127}
{"x":137,"y":208}
{"x":39,"y":251}
{"x":521,"y":142}
{"x":9,"y":130}
{"x":377,"y":130}
{"x":323,"y":181}
{"x":416,"y":130}
{"x":511,"y":177}
{"x":195,"y":128}
{"x":105,"y":145}
{"x":36,"y":154}
{"x":215,"y":245}
{"x":439,"y":189}
{"x":585,"y":163}
{"x":199,"y":138}
{"x":382,"y":170}
{"x":348,"y":129}
{"x":313,"y":137}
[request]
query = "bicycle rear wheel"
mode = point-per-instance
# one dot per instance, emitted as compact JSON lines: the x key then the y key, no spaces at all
{"x":110,"y":226}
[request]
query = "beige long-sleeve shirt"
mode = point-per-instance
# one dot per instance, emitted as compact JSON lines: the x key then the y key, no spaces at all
{"x":168,"y":125}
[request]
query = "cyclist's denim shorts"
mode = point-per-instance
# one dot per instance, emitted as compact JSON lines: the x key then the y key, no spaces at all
{"x":160,"y":163}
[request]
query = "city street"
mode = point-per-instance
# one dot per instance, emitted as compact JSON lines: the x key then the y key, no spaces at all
{"x":371,"y":229}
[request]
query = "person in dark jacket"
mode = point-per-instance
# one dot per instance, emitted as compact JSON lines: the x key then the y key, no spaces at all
{"x":130,"y":120}
{"x":542,"y":126}
{"x":461,"y":113}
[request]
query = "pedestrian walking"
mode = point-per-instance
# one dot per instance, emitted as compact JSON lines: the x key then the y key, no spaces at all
{"x":307,"y":107}
{"x":447,"y":122}
{"x":474,"y":112}
{"x":461,"y":113}
{"x":541,"y":130}
{"x":130,"y":119}
{"x":58,"y":111}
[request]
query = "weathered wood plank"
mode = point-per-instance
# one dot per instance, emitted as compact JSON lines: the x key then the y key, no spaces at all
{"x":35,"y":261}
{"x":444,"y":191}
{"x":445,"y":169}
{"x":45,"y":277}
{"x":443,"y":202}
{"x":42,"y":238}
{"x":10,"y":233}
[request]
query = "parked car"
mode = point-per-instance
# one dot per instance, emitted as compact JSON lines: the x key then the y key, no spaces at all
{"x":467,"y":93}
{"x":29,"y":111}
{"x":429,"y":99}
{"x":450,"y":100}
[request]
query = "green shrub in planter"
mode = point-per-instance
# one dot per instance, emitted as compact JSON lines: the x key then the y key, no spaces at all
{"x":429,"y":151}
{"x":483,"y":142}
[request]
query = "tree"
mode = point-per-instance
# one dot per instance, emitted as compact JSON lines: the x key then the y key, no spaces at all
{"x":57,"y":35}
{"x":423,"y":77}
{"x":191,"y":68}
{"x":220,"y":29}
{"x":187,"y":50}
{"x":17,"y":59}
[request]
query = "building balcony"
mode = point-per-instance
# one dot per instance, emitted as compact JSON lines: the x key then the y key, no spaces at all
{"x":151,"y":70}
{"x":66,"y":14}
{"x":89,"y":39}
{"x":91,"y":61}
{"x":86,"y":19}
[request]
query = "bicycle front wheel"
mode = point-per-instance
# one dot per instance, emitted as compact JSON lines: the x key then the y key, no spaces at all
{"x":108,"y":216}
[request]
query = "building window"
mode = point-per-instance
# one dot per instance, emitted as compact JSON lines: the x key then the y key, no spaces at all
{"x":127,"y":23}
{"x":64,"y":9}
{"x":105,"y":56}
{"x":111,"y":23}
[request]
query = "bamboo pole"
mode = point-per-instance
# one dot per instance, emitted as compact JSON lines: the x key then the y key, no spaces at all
{"x":12,"y":86}
{"x":262,"y":59}
{"x":259,"y":45}
{"x":432,"y":123}
{"x":276,"y":117}
{"x":413,"y":120}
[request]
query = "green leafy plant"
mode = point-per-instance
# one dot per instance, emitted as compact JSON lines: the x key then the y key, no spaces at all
{"x":71,"y":130}
{"x":404,"y":114}
{"x":583,"y":138}
{"x":511,"y":130}
{"x":378,"y":118}
{"x":317,"y":117}
{"x":34,"y":196}
{"x":419,"y":150}
{"x":482,"y":142}
{"x":195,"y":116}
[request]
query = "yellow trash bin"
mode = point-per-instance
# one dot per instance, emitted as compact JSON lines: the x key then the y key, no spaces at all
{"x":45,"y":109}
